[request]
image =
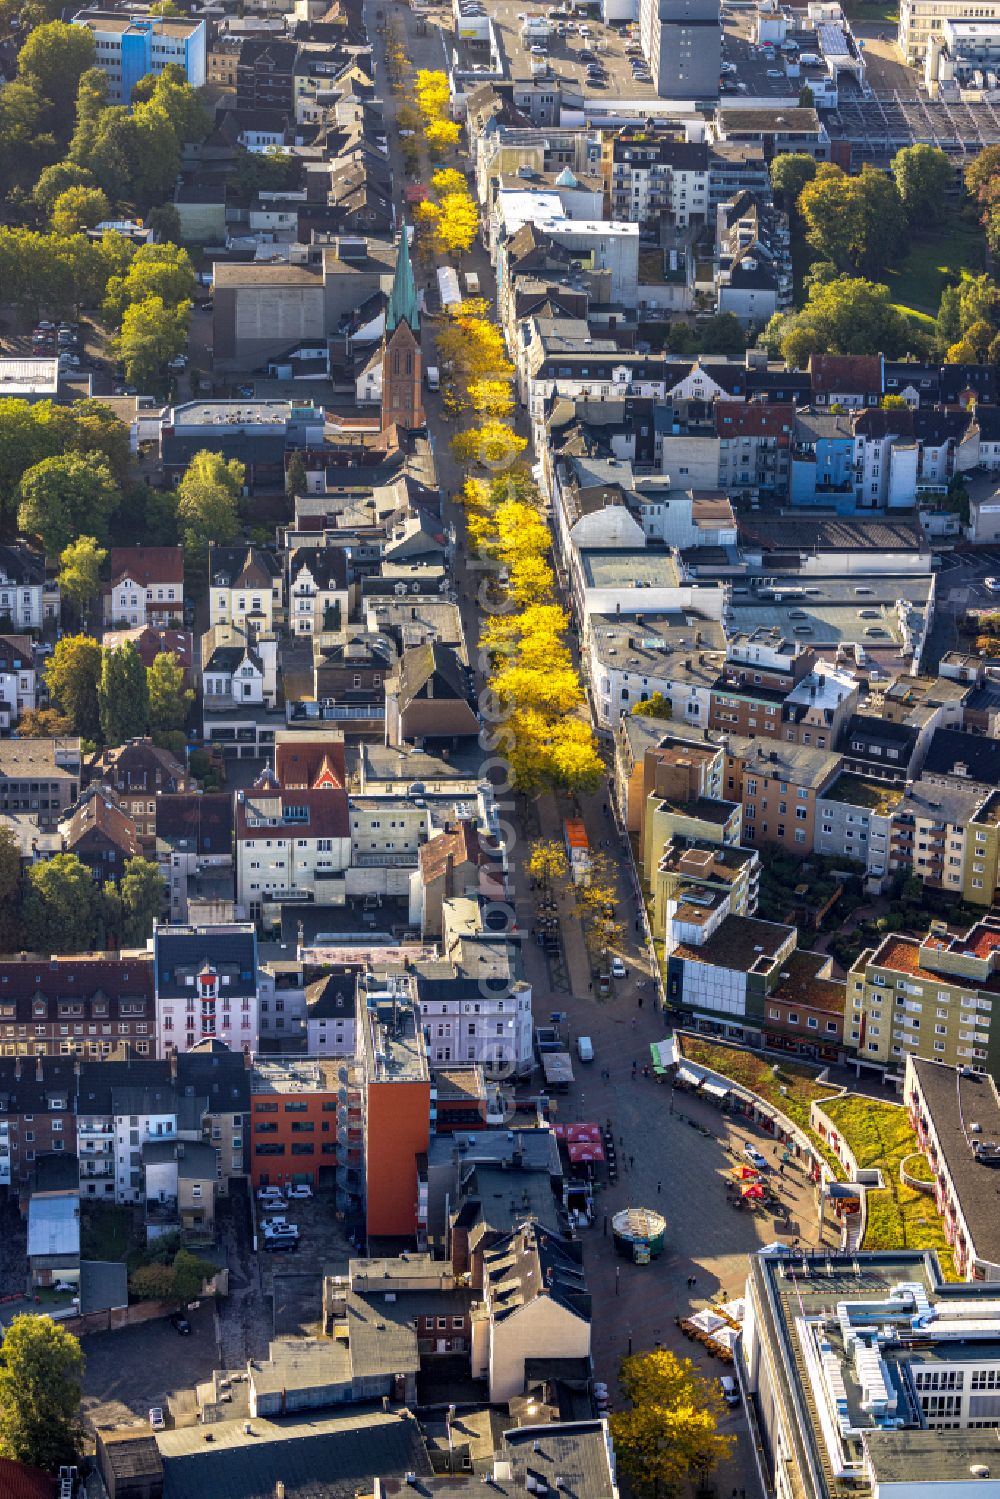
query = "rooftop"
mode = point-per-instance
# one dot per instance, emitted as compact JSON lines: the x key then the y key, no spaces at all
{"x":965,"y":1108}
{"x":740,"y":942}
{"x":859,"y":792}
{"x":295,"y":1075}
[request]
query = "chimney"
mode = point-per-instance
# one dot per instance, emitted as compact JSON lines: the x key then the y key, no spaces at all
{"x":17,"y":1068}
{"x":38,"y":1070}
{"x":173,"y":1064}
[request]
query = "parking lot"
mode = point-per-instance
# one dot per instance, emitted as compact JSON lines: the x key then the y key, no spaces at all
{"x":606,"y":42}
{"x":150,"y":1364}
{"x":292,"y":1279}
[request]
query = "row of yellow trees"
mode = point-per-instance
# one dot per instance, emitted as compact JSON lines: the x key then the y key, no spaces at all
{"x":543,"y":728}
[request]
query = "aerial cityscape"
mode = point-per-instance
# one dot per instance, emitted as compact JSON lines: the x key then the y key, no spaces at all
{"x":500,"y":749}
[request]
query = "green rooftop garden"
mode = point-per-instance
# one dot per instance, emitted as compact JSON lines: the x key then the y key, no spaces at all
{"x":858,"y":792}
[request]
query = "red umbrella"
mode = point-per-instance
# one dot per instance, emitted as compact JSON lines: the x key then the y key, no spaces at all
{"x":584,"y":1132}
{"x":581,"y":1152}
{"x":753,"y":1189}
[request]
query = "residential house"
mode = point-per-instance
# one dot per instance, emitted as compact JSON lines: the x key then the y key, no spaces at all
{"x":76,"y":1006}
{"x":849,"y":380}
{"x":291,"y":1100}
{"x":292,"y":827}
{"x":318,"y":597}
{"x":755,"y":441}
{"x":455,"y":863}
{"x":139,"y":772}
{"x":194,"y":849}
{"x":36,"y":1116}
{"x":245,"y":588}
{"x":146,"y":587}
{"x":805,"y":1010}
{"x":27,"y":602}
{"x":18,"y":679}
{"x":206,"y":986}
{"x":100,"y":834}
{"x":329,"y":1019}
{"x":430,"y":697}
{"x":678,"y":655}
{"x":753,"y":277}
{"x":221,"y":1079}
{"x":536,"y":1306}
{"x":120,"y":1106}
{"x":179,"y":1188}
{"x":879,"y":749}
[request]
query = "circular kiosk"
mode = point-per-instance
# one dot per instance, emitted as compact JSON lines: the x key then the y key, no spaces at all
{"x":639,"y":1234}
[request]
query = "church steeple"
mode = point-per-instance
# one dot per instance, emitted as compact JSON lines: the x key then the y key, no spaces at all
{"x":403,"y":305}
{"x":402,"y":403}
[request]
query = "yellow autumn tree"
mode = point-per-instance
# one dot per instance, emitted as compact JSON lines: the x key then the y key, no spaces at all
{"x":459,"y":222}
{"x":531,"y":578}
{"x":491,"y":397}
{"x":491,"y":445}
{"x":442,"y":136}
{"x":432,"y":93}
{"x":547,"y":860}
{"x":670,"y":1433}
{"x":447,"y":180}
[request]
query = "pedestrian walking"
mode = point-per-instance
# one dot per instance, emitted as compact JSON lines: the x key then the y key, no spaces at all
{"x":640,"y":1001}
{"x":631,"y":1162}
{"x":659,"y":1188}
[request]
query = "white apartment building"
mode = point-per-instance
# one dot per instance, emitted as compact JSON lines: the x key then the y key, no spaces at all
{"x":290,"y":843}
{"x":147,"y":587}
{"x":18,"y":692}
{"x":206,"y":986}
{"x":23,"y":593}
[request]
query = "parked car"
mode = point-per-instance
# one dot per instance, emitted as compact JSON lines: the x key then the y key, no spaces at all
{"x":775,"y":73}
{"x":730,"y":1389}
{"x":993,"y":584}
{"x":585,"y":1048}
{"x":755,"y":1158}
{"x":617,"y":968}
{"x":301,"y":1193}
{"x":156,"y":1420}
{"x":178,"y":364}
{"x":262,"y":1192}
{"x":180,"y":1324}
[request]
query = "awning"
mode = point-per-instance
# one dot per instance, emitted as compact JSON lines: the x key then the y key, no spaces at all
{"x":664,"y":1054}
{"x":691,"y":1078}
{"x":577,"y":1132}
{"x":717,"y":1090}
{"x":753,"y":1190}
{"x":744,"y":1172}
{"x":581,"y":1151}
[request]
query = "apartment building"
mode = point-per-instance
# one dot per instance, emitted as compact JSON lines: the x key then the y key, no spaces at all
{"x":692,"y":870}
{"x":778,"y":788}
{"x":722,"y":967}
{"x":956,"y":1117}
{"x":396,"y":1105}
{"x":292,"y":829}
{"x":678,"y":655}
{"x":76,"y":1006}
{"x":121,"y":1106}
{"x":318,"y":596}
{"x":777,"y":688}
{"x":139,"y":773}
{"x":649,"y":176}
{"x":131,"y":46}
{"x":206,"y":986}
{"x":305,"y":1118}
{"x":36,"y":1115}
{"x":922,"y":22}
{"x":854,"y":820}
{"x":933,"y":997}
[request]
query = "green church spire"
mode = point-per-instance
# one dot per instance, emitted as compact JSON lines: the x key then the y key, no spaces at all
{"x":403,"y":306}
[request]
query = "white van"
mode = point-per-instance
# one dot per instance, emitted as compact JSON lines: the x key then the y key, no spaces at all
{"x":585,"y":1048}
{"x":433,"y":377}
{"x":730,"y":1389}
{"x":472,"y":283}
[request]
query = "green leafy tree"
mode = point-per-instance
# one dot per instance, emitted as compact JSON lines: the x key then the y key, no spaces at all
{"x":141,"y":890}
{"x":169,"y":700}
{"x":807,"y":99}
{"x":80,"y":572}
{"x":190,"y":1274}
{"x":152,"y":1283}
{"x":91,"y":104}
{"x":123,"y":694}
{"x":41,"y":1374}
{"x":655,"y":706}
{"x":165,"y":222}
{"x":208,"y":506}
{"x":97,"y":431}
{"x":857,"y":222}
{"x":669,"y":1434}
{"x":54,"y":58}
{"x":64,"y":497}
{"x":681,"y":339}
{"x":722,"y":335}
{"x":922,"y":175}
{"x":790,"y":172}
{"x":846,"y":316}
{"x":71,"y":675}
{"x":61,"y":905}
{"x":170,"y":92}
{"x":79,"y":208}
{"x":11,"y":928}
{"x":982,"y":182}
{"x":55,"y":180}
{"x":295,"y":476}
{"x":162,"y":271}
{"x":25,"y":145}
{"x":152,"y":334}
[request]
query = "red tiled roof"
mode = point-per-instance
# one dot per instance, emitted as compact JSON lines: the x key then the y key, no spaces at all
{"x":18,"y":1481}
{"x":855,"y":373}
{"x":754,"y":419}
{"x":302,"y":762}
{"x":99,"y":814}
{"x":148,"y":565}
{"x":328,"y":814}
{"x":461,"y":844}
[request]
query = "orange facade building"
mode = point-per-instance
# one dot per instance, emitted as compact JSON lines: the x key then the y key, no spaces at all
{"x":397,"y":1101}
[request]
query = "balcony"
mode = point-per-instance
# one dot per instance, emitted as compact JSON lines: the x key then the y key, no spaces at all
{"x":407,"y":860}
